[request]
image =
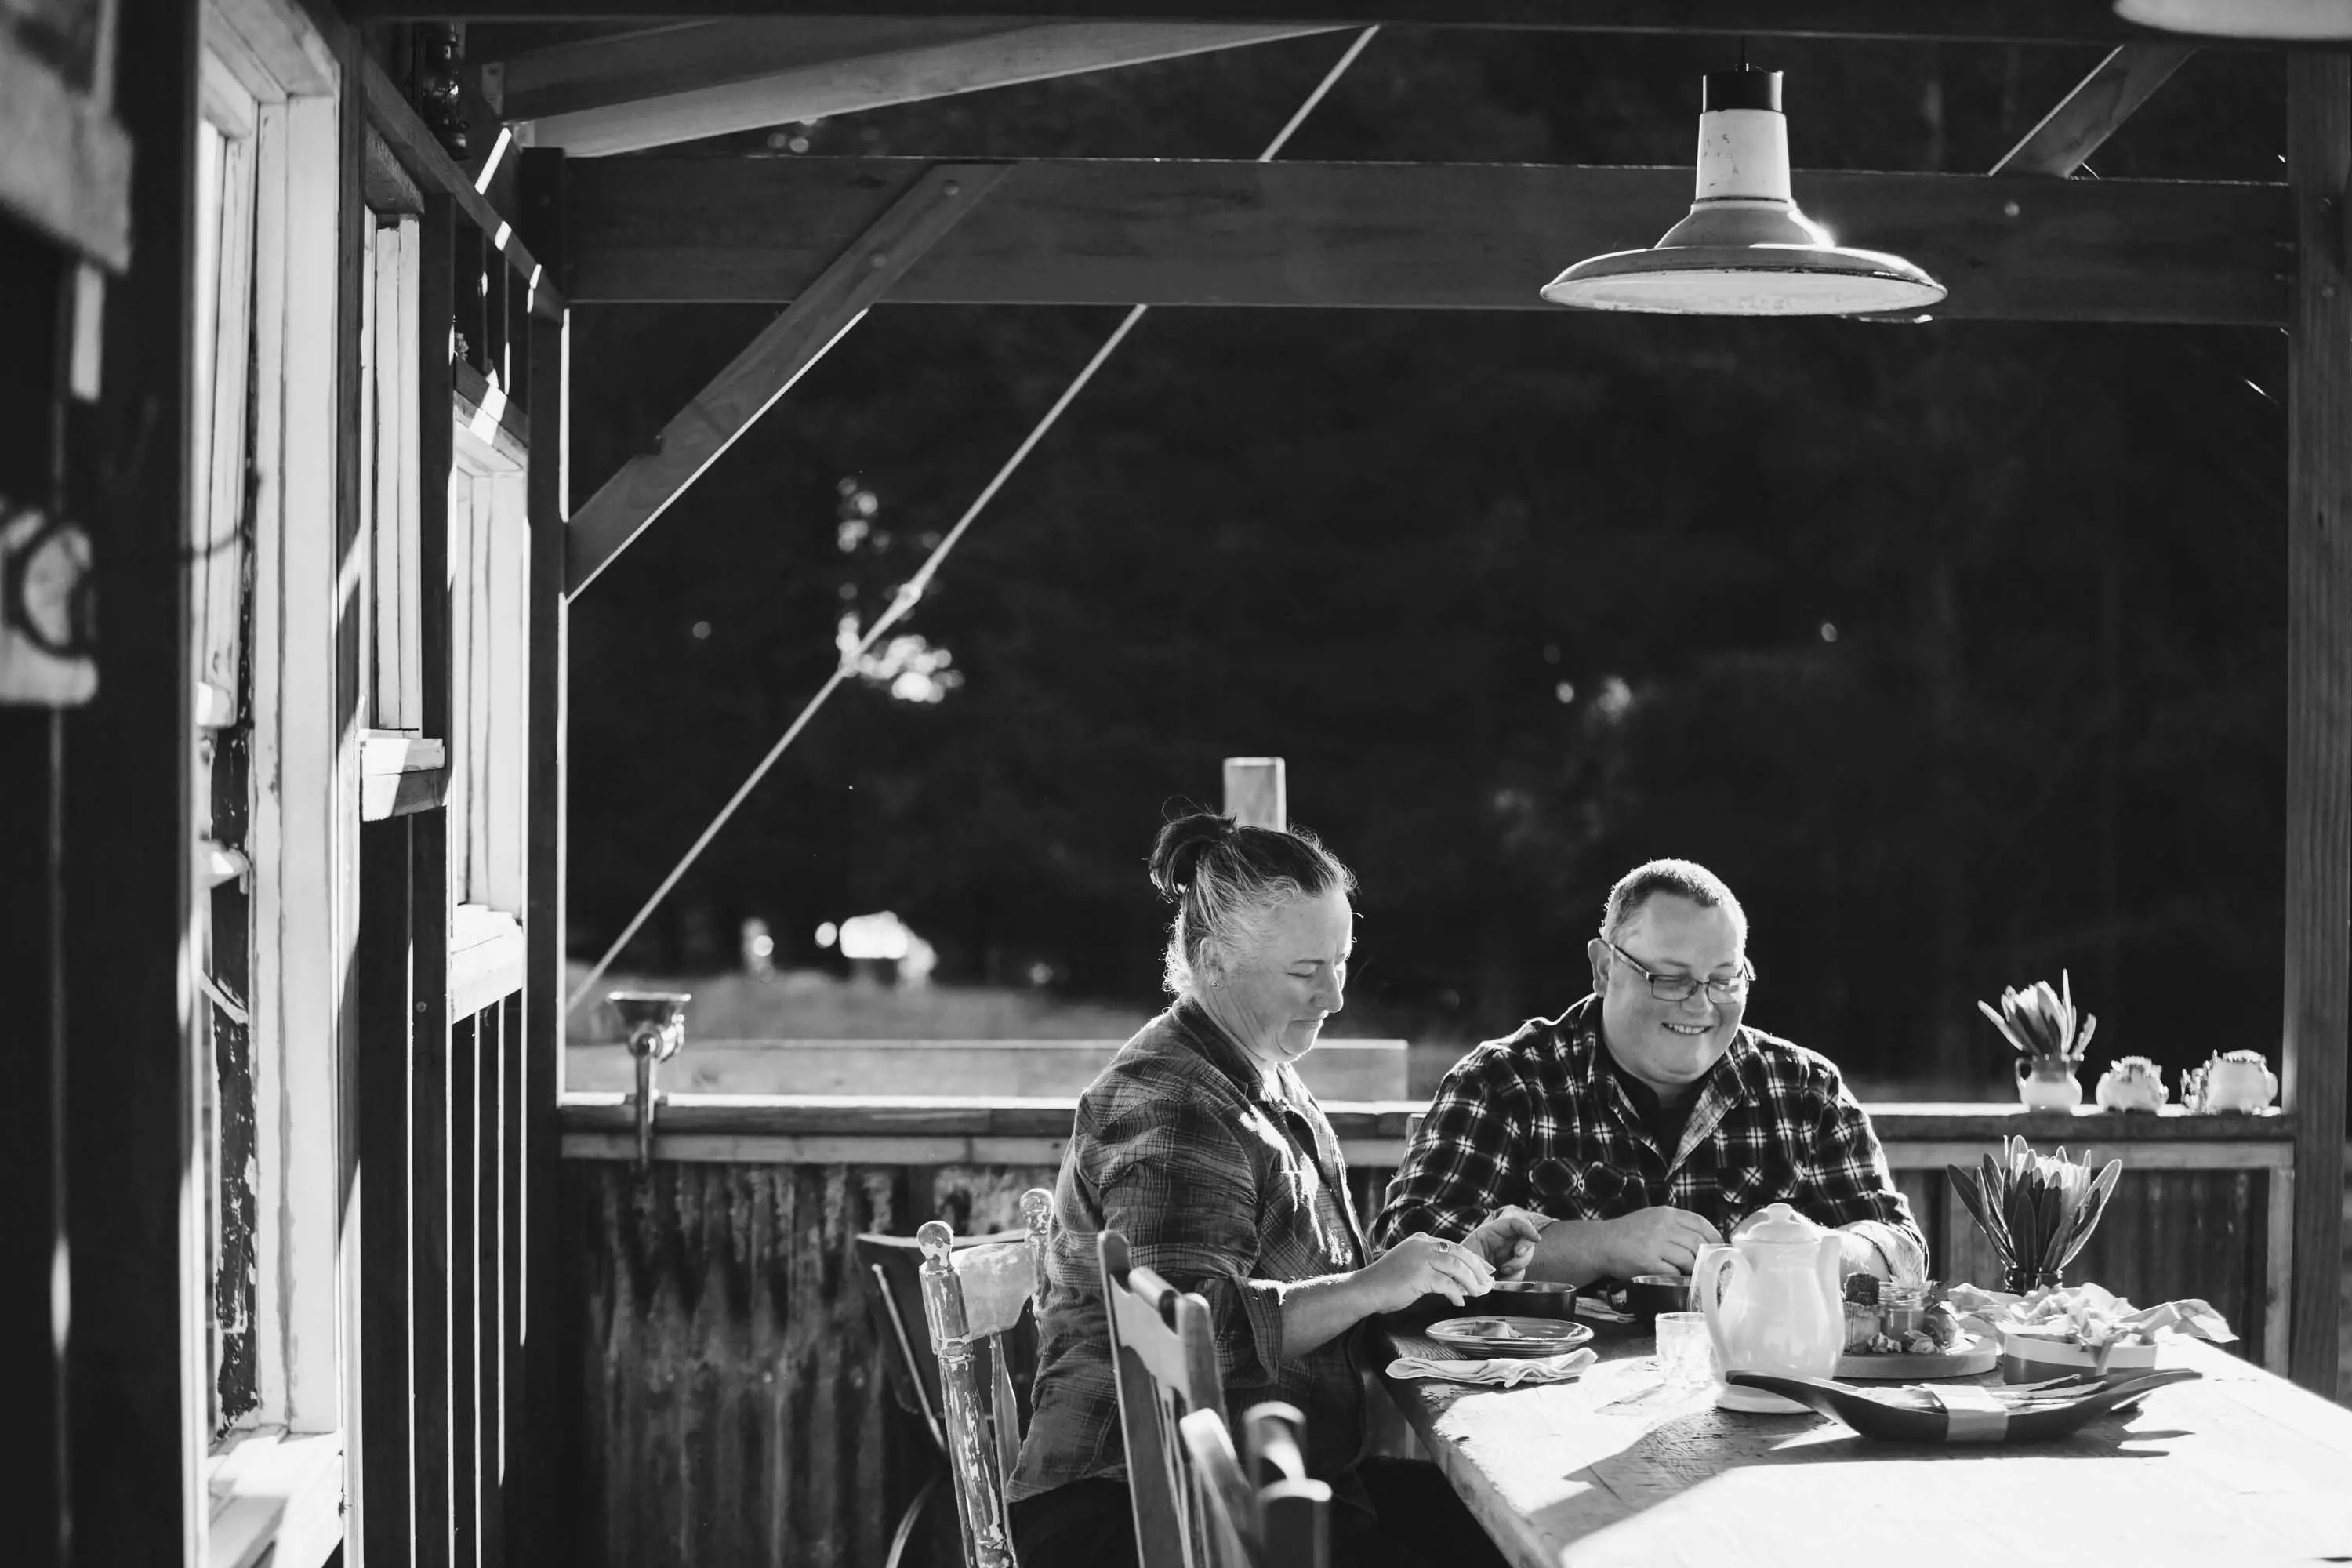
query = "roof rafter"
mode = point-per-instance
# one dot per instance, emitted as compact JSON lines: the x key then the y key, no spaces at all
{"x":1402,"y":235}
{"x":1987,"y":21}
{"x":624,"y":93}
{"x":2094,"y":110}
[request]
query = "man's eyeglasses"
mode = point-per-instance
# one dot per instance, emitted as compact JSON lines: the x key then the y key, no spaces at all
{"x":1682,"y":987}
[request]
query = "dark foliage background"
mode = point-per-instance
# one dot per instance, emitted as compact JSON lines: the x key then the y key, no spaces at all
{"x":1956,"y":648}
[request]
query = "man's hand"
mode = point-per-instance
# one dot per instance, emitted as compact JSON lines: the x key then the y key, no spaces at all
{"x":1422,"y":1265}
{"x":1654,"y":1241}
{"x":1506,"y":1240}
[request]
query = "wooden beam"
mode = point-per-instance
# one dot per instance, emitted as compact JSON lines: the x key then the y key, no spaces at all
{"x":1405,"y":236}
{"x":386,"y":187}
{"x":1980,"y":21}
{"x":2094,"y":110}
{"x":2319,"y":1009}
{"x":134,"y":1183}
{"x":626,"y":93}
{"x":412,"y":147}
{"x":859,"y":274}
{"x":64,"y":164}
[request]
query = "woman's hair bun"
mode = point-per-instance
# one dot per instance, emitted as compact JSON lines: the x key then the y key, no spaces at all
{"x":1182,"y":842}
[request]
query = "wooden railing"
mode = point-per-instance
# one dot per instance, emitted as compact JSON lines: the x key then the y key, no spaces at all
{"x":733,"y":1406}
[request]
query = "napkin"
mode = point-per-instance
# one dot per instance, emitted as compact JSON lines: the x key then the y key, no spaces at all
{"x":1502,"y":1373}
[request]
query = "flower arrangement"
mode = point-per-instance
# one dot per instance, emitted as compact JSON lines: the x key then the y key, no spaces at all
{"x":2043,"y":1024}
{"x":2037,"y":1210}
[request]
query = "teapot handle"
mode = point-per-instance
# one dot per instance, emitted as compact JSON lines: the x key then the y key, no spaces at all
{"x":1707,"y":1292}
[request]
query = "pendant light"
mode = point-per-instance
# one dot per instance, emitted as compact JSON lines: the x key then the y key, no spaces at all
{"x":1745,"y":249}
{"x":2293,"y":21}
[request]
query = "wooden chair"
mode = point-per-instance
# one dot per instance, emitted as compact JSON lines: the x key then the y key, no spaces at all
{"x":1266,"y":1512}
{"x":979,"y":1303}
{"x":1167,"y":1364}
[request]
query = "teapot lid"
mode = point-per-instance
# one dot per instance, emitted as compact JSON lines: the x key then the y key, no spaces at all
{"x":1777,"y":1223}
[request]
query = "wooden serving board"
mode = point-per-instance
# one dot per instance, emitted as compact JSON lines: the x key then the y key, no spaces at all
{"x":1976,"y":1356}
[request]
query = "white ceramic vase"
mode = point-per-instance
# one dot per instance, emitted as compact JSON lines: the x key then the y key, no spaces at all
{"x":2046,"y":1087}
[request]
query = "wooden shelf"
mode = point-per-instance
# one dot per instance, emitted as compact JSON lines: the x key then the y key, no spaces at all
{"x":885,"y":1129}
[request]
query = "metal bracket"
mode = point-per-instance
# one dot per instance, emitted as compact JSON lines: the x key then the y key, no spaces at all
{"x":655,"y":1024}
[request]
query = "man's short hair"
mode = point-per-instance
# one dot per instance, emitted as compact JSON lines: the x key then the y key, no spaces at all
{"x":1684,"y":879}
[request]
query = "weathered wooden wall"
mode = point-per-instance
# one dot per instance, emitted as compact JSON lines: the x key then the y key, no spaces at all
{"x":734,"y":1408}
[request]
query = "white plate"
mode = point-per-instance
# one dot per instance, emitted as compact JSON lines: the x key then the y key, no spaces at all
{"x":1487,"y":1337}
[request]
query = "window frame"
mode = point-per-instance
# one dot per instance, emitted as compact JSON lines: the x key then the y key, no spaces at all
{"x":301,"y":845}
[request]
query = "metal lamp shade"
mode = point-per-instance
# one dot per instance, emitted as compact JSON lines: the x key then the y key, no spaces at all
{"x":2305,"y":21}
{"x":1745,"y":249}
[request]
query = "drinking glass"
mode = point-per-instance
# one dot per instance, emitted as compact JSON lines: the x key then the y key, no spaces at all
{"x":1686,"y":1354}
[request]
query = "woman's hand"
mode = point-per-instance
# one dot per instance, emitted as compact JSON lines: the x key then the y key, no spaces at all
{"x":1420,"y":1266}
{"x":1507,"y":1240}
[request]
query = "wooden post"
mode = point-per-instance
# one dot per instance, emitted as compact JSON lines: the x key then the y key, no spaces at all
{"x":32,"y":900}
{"x":540,"y":1400}
{"x":432,"y":1307}
{"x":383,"y":1029}
{"x":2319,"y":697}
{"x":1255,"y":794}
{"x":136,"y":1357}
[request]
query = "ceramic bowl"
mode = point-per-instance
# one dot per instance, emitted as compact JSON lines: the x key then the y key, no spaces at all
{"x":1647,"y":1295}
{"x":1526,"y":1299}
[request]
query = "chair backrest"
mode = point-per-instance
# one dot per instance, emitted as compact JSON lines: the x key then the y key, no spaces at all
{"x":1165,"y":1358}
{"x":979,"y":1298}
{"x":1266,"y":1512}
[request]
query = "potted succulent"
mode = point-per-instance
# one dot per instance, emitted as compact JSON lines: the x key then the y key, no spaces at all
{"x":2036,"y":1210}
{"x":2050,"y":1038}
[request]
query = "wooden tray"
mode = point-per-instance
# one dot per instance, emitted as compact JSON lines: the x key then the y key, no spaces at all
{"x":1909,"y":1416}
{"x":1974,"y":1356}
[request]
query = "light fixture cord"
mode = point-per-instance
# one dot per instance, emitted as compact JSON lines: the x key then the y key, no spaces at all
{"x":912,"y":590}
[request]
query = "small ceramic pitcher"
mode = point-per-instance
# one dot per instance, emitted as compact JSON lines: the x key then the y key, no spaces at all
{"x":2048,"y":1085}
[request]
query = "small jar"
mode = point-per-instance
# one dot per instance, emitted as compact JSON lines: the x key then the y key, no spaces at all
{"x":1902,"y":1309}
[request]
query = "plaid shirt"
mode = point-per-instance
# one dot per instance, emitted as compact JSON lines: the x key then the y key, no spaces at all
{"x":1541,"y":1120}
{"x":1222,"y":1185}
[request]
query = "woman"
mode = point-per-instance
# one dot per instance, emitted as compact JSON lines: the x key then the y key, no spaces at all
{"x":1199,"y":1144}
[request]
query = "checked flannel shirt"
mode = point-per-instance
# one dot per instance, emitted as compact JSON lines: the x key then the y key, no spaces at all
{"x":1222,"y":1185}
{"x":1540,"y":1119}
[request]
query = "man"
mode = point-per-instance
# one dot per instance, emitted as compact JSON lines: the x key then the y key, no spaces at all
{"x":1648,"y":1122}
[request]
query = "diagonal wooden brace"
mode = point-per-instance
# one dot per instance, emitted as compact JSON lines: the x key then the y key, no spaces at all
{"x":858,"y":278}
{"x":2094,"y":110}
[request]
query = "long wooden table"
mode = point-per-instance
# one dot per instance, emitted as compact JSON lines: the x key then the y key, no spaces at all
{"x":2240,"y":1467}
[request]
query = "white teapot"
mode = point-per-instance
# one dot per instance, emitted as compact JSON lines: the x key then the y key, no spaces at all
{"x":2238,"y":1081}
{"x":1780,"y":1311}
{"x":2132,"y":1083}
